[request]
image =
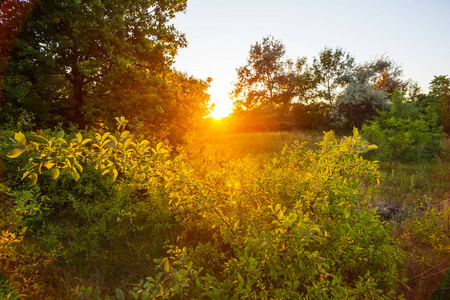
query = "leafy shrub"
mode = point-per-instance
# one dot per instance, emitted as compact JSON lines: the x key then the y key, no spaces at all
{"x":403,"y":133}
{"x":94,"y":195}
{"x":297,"y":227}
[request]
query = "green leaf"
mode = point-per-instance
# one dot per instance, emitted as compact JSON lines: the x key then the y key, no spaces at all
{"x":119,"y":294}
{"x":15,"y":153}
{"x":87,"y":292}
{"x":370,"y":147}
{"x":55,"y":173}
{"x":20,"y":138}
{"x":96,"y":293}
{"x":346,"y":212}
{"x":60,"y":134}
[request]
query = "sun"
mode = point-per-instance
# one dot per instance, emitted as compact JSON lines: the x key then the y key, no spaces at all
{"x":221,"y":109}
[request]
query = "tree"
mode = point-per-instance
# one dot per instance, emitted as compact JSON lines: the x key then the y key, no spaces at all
{"x":388,"y":76}
{"x":361,"y":99}
{"x":440,"y":93}
{"x":305,"y":82}
{"x":328,"y":68}
{"x":89,"y":61}
{"x":265,"y":80}
{"x":265,"y":86}
{"x":13,"y":14}
{"x":404,"y":133}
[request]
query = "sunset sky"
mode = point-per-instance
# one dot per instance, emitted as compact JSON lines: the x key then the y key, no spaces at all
{"x":414,"y":33}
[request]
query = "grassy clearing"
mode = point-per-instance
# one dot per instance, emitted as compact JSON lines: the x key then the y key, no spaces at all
{"x":229,"y":146}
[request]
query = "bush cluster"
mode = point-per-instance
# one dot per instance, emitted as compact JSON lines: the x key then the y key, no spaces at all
{"x":297,"y":226}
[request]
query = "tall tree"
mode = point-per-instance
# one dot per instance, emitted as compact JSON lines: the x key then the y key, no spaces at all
{"x":13,"y":14}
{"x":388,"y":77}
{"x":264,"y":80}
{"x":328,"y":68}
{"x":265,"y":87}
{"x":88,"y":61}
{"x":360,"y":100}
{"x":440,"y":94}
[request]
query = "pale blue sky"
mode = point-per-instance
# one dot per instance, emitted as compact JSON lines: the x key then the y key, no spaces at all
{"x":415,"y":33}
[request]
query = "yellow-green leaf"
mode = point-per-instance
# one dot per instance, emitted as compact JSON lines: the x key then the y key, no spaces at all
{"x":75,"y":174}
{"x":346,"y":212}
{"x":158,"y":147}
{"x":49,"y":165}
{"x":79,"y":167}
{"x":34,"y":178}
{"x":55,"y":173}
{"x":26,"y":174}
{"x":370,"y":147}
{"x":20,"y":138}
{"x":15,"y":153}
{"x":166,"y":266}
{"x":79,"y":137}
{"x":86,"y":141}
{"x":115,"y":173}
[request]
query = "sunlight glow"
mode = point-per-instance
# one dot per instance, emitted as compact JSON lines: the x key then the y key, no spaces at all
{"x":221,"y":109}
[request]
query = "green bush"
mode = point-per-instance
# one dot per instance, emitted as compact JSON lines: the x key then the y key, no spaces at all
{"x":92,"y":197}
{"x":404,"y":133}
{"x":296,"y":227}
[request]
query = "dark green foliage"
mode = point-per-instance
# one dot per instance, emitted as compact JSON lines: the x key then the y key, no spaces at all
{"x":88,"y":62}
{"x":404,"y":133}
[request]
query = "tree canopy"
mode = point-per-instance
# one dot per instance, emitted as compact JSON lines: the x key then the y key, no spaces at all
{"x":89,"y":61}
{"x":264,"y":80}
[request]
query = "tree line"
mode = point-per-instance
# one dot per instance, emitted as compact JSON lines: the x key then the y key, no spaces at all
{"x":276,"y":93}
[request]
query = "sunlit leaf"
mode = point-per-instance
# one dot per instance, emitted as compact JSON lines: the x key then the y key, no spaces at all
{"x":124,"y":135}
{"x":115,"y":173}
{"x":75,"y":174}
{"x":33,"y":179}
{"x":55,"y":173}
{"x":20,"y":138}
{"x":86,"y":141}
{"x":158,"y":147}
{"x":49,"y":165}
{"x":15,"y":153}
